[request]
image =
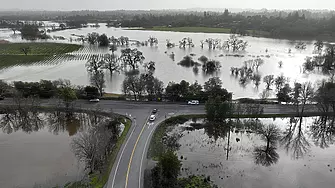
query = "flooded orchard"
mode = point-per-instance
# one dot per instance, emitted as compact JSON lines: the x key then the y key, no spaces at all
{"x":272,"y":51}
{"x":288,"y":152}
{"x":44,"y":149}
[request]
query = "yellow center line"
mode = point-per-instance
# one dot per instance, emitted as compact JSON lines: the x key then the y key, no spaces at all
{"x":132,"y":153}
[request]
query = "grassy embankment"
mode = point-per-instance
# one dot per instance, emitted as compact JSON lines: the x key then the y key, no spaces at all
{"x":11,"y":54}
{"x":201,"y":30}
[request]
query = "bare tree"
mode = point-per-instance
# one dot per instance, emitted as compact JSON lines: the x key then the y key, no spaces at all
{"x":280,"y":81}
{"x":98,"y":80}
{"x":111,"y":63}
{"x":132,"y":57}
{"x":134,"y":85}
{"x":258,"y":62}
{"x":94,"y":146}
{"x":94,"y":64}
{"x":268,"y":80}
{"x":302,"y":93}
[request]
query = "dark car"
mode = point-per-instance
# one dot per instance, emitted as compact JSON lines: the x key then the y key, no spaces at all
{"x":2,"y":98}
{"x":154,"y":111}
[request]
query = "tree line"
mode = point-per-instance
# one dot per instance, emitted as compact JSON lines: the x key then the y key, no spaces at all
{"x":294,"y":25}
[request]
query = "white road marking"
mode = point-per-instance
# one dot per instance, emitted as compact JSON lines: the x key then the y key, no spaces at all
{"x":118,"y":163}
{"x":145,"y":146}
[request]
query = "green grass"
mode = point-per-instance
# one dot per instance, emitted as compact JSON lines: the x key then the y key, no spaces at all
{"x":186,"y":29}
{"x":38,"y":48}
{"x":11,"y":54}
{"x":100,"y":182}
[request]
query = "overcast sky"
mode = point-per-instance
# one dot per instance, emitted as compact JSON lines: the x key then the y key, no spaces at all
{"x":163,"y":4}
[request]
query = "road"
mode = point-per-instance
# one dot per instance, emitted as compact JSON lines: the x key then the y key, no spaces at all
{"x":131,"y":160}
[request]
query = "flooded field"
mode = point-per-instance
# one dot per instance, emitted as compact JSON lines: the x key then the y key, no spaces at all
{"x":276,"y":153}
{"x":72,"y":67}
{"x":40,"y":149}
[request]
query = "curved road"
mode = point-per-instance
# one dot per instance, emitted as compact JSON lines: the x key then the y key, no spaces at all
{"x":127,"y":171}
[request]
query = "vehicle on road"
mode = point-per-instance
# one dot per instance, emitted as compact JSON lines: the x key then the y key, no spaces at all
{"x":193,"y":102}
{"x":2,"y":98}
{"x":152,"y":118}
{"x":94,"y":100}
{"x":154,"y":111}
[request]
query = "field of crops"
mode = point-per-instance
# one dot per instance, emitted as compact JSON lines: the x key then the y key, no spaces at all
{"x":38,"y":53}
{"x":37,"y":48}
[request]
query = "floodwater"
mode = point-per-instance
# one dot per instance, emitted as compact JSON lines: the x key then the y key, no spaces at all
{"x":36,"y":149}
{"x":303,"y":155}
{"x":168,"y":70}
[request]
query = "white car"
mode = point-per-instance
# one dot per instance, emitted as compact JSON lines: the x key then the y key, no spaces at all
{"x":94,"y":100}
{"x":193,"y":102}
{"x":152,"y":118}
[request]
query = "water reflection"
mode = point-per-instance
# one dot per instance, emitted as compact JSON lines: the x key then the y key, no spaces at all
{"x":259,"y":151}
{"x":323,"y":131}
{"x":267,"y":155}
{"x":26,"y":121}
{"x":294,"y":139}
{"x":32,"y":121}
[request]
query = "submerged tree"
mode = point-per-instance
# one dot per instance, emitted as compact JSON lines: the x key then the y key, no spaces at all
{"x":318,"y":46}
{"x":150,"y":66}
{"x":94,"y":64}
{"x":209,"y":67}
{"x":268,"y":80}
{"x":187,"y":61}
{"x":153,"y":41}
{"x":132,"y":57}
{"x":92,"y":38}
{"x":111,"y":63}
{"x":235,"y":44}
{"x":301,"y":46}
{"x":280,"y":81}
{"x":103,"y":40}
{"x":169,"y":44}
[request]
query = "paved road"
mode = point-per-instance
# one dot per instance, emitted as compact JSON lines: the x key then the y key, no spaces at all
{"x":130,"y":163}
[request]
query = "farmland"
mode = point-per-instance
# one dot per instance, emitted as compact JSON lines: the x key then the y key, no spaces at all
{"x":14,"y":54}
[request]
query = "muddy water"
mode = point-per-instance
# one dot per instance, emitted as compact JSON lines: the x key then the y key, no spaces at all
{"x":306,"y":160}
{"x":36,"y":151}
{"x":166,"y":69}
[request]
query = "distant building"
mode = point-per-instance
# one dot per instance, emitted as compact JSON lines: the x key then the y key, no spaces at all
{"x":4,"y":42}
